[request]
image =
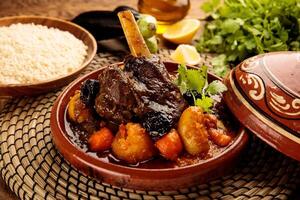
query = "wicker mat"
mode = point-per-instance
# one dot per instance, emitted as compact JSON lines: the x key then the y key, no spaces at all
{"x":33,"y":169}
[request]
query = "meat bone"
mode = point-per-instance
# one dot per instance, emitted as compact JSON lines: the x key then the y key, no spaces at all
{"x":133,"y":35}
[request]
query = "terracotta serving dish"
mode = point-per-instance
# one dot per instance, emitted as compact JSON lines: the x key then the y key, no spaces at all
{"x":264,"y":92}
{"x":138,"y":178}
{"x":41,"y":87}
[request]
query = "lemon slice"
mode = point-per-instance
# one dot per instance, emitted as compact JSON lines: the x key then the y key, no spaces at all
{"x":182,"y":31}
{"x":186,"y":54}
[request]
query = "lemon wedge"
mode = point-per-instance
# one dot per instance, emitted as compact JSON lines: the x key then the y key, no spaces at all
{"x":182,"y":31}
{"x":186,"y":54}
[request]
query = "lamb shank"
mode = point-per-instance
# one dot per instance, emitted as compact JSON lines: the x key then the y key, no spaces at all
{"x":143,"y":90}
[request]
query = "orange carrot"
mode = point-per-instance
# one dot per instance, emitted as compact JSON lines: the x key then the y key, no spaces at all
{"x":219,"y":137}
{"x":170,"y":145}
{"x":101,"y":140}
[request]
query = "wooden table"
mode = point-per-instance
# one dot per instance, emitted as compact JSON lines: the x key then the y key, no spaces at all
{"x":66,"y":10}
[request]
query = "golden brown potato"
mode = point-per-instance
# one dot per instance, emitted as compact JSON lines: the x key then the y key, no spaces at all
{"x":77,"y":111}
{"x":133,"y":144}
{"x":193,"y":131}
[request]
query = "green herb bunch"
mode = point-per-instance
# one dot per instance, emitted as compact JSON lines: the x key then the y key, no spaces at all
{"x":238,"y":29}
{"x":194,"y":82}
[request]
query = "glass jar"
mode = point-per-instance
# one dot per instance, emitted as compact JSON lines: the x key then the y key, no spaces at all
{"x":165,"y":11}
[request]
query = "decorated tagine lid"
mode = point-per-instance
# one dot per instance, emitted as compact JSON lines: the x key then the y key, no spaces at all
{"x":264,"y":94}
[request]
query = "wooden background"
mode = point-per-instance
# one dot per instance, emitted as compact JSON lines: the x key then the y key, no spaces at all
{"x":66,"y":9}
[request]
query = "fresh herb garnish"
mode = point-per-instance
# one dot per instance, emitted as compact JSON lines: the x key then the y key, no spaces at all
{"x":215,"y":87}
{"x":238,"y":29}
{"x":205,"y":103}
{"x":194,"y":81}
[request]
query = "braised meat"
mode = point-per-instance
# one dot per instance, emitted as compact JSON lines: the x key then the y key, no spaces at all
{"x":115,"y":101}
{"x":143,"y":89}
{"x":159,"y":101}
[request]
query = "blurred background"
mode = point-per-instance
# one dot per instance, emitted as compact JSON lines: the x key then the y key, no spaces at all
{"x":67,"y":9}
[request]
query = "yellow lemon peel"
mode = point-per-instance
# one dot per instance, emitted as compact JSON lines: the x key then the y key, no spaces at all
{"x":186,"y":54}
{"x":182,"y":32}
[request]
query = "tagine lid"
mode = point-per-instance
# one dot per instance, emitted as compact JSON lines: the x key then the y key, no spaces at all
{"x":264,"y":94}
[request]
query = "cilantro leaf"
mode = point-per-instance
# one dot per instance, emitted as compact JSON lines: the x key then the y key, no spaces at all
{"x":230,"y":26}
{"x":194,"y":82}
{"x":181,"y":80}
{"x":205,"y":103}
{"x":220,"y":65}
{"x":191,"y":79}
{"x":210,"y":6}
{"x":216,"y":87}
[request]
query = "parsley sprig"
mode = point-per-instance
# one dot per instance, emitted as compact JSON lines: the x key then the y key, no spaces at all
{"x":237,"y":29}
{"x":195,"y":81}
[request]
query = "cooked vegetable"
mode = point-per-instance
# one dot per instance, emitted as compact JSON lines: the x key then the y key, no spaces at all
{"x":193,"y":132}
{"x":193,"y":82}
{"x":77,"y":110}
{"x":238,"y":29}
{"x":170,"y":145}
{"x":152,"y":44}
{"x":147,"y":26}
{"x":133,"y":144}
{"x":219,"y":137}
{"x":88,"y":91}
{"x":216,"y":130}
{"x":210,"y":121}
{"x":101,"y":140}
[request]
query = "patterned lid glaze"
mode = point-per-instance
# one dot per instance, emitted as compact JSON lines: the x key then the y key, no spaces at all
{"x":264,"y":94}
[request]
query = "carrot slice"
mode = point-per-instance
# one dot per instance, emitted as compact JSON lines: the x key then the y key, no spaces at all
{"x":101,"y":140}
{"x":219,"y":137}
{"x":170,"y":145}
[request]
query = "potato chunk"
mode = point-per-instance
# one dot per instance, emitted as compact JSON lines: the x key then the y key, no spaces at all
{"x":77,"y":111}
{"x":133,"y":144}
{"x":193,"y":131}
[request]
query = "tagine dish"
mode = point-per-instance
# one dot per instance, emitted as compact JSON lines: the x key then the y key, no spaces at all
{"x":144,"y":115}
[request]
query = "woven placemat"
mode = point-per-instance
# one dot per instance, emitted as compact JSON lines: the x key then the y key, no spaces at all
{"x":32,"y":167}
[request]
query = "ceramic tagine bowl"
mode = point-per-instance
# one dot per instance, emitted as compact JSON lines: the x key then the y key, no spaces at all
{"x":264,"y":94}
